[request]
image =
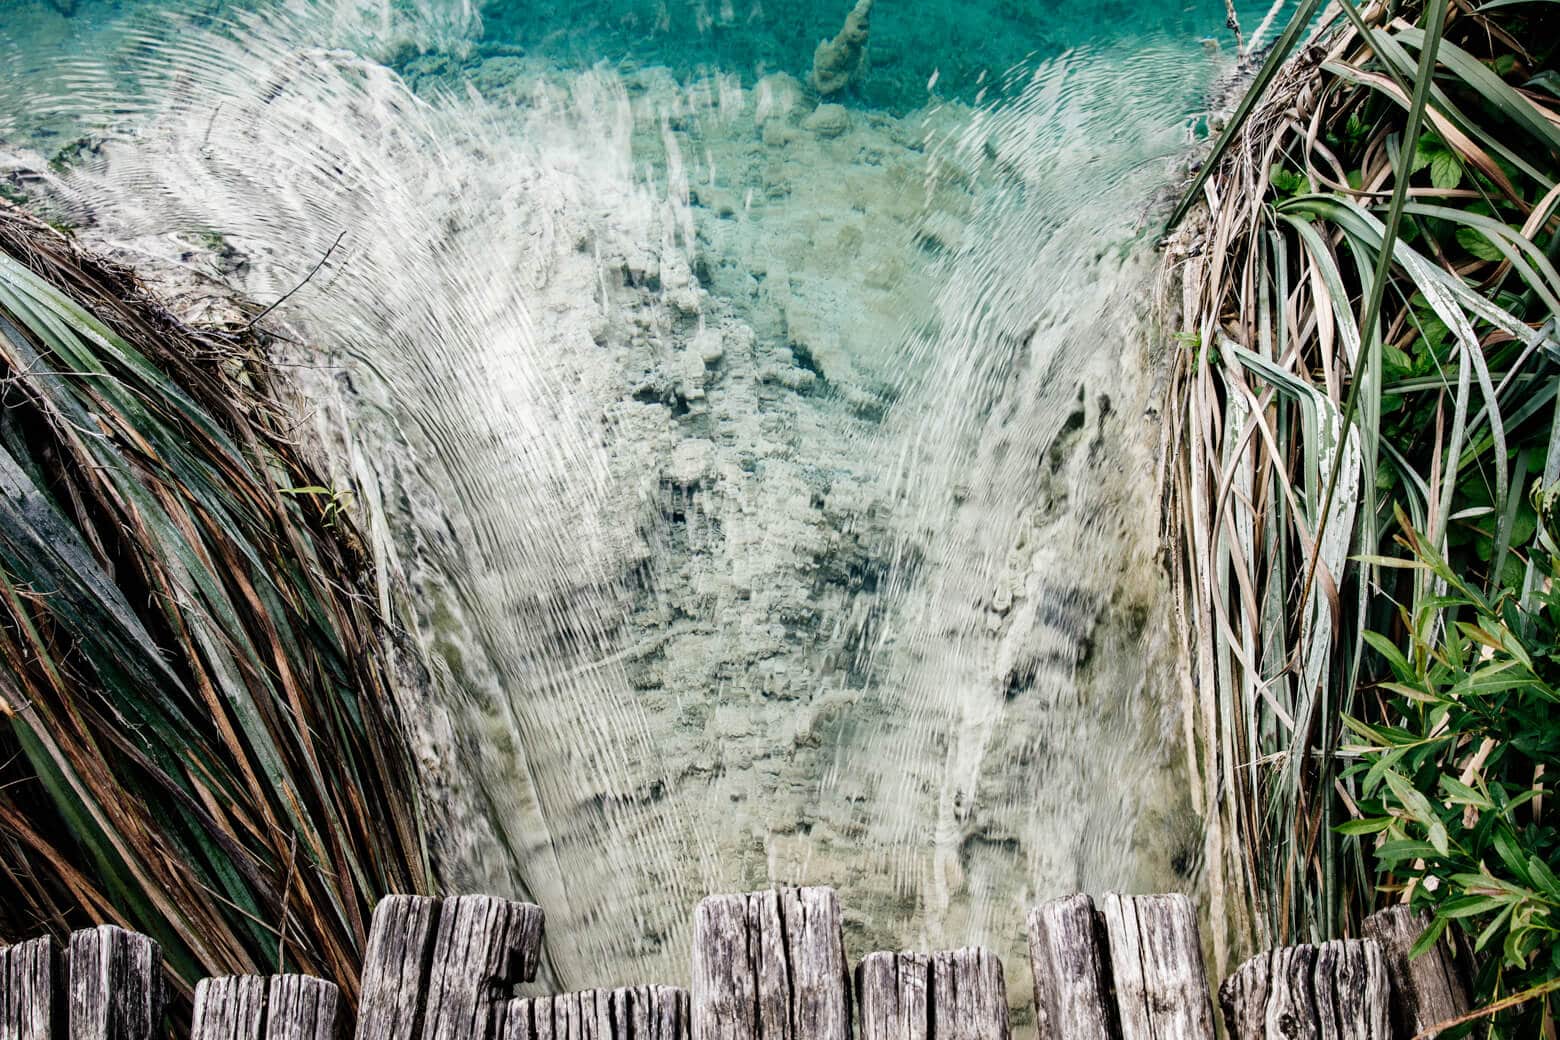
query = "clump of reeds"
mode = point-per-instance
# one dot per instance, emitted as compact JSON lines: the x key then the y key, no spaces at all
{"x":198,"y":738}
{"x":1366,"y":298}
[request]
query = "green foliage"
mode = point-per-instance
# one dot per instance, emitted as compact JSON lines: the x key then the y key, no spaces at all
{"x":1453,"y":788}
{"x":1289,"y":182}
{"x":334,"y":503}
{"x":1387,"y":374}
{"x":1443,"y":164}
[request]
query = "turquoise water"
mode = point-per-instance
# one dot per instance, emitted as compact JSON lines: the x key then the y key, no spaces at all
{"x":964,"y":44}
{"x":764,"y":480}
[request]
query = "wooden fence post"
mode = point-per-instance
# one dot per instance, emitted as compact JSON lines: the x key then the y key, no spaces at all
{"x":31,"y":1007}
{"x":1338,"y":991}
{"x":1069,"y":963}
{"x":229,"y":1008}
{"x":1156,"y":964}
{"x":437,"y":969}
{"x":116,"y":985}
{"x":772,"y":965}
{"x":1353,"y":990}
{"x":948,"y":995}
{"x":1427,"y":989}
{"x":894,"y":993}
{"x":636,"y":1013}
{"x":766,"y":966}
{"x":260,"y":1007}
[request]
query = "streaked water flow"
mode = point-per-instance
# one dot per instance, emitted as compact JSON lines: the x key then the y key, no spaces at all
{"x":766,"y":487}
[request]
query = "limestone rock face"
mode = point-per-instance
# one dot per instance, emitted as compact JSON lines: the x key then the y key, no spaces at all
{"x":837,"y":62}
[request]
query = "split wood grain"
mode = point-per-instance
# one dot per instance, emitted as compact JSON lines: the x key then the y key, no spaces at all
{"x":948,"y":995}
{"x":301,"y":1007}
{"x":437,"y":969}
{"x":1291,"y":1008}
{"x":632,"y":1013}
{"x":1427,"y":989}
{"x":1353,"y":990}
{"x":1156,"y":965}
{"x":820,"y":974}
{"x":1243,"y":997}
{"x":725,"y":980}
{"x":259,"y":1007}
{"x":1338,"y":991}
{"x":1070,"y":967}
{"x":231,"y":1007}
{"x":395,"y":967}
{"x":893,"y":991}
{"x":115,"y":989}
{"x":770,"y":966}
{"x":31,"y":991}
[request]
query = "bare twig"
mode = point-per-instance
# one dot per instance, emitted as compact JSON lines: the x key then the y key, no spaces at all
{"x":312,"y":272}
{"x":1504,"y":1004}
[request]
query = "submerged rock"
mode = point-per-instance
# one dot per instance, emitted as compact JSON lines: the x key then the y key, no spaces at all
{"x":691,"y":462}
{"x":776,"y":97}
{"x":828,"y":120}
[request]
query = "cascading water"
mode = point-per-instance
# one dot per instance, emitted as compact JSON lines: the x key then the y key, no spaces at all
{"x":763,"y":482}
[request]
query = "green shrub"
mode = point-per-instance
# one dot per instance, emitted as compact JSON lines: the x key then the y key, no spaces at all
{"x":1458,"y":793}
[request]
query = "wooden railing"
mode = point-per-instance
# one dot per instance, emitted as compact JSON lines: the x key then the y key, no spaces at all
{"x":767,"y":965}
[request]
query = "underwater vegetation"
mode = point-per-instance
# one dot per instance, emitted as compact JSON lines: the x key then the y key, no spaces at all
{"x":837,"y":62}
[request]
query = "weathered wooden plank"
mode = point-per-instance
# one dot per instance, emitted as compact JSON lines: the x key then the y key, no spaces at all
{"x":768,"y":952}
{"x":770,"y":964}
{"x":1156,"y":964}
{"x":1338,"y":991}
{"x":437,"y":969}
{"x":969,"y":996}
{"x":1291,"y":1009}
{"x":631,"y":1013}
{"x":395,"y":967}
{"x":1068,"y":961}
{"x":484,"y":947}
{"x":1353,"y":994}
{"x":1427,"y":989}
{"x":820,"y":974}
{"x":301,"y":1007}
{"x":1244,"y":998}
{"x":265,"y":1007}
{"x":724,"y":980}
{"x":229,"y":1008}
{"x":892,"y":993}
{"x":116,"y":985}
{"x":948,"y":995}
{"x":669,"y":1010}
{"x":31,"y":991}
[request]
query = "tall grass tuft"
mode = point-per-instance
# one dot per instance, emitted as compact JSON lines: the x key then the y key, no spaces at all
{"x":198,"y":738}
{"x":1366,"y":291}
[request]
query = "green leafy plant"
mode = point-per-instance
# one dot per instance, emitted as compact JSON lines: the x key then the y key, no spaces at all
{"x":1454,"y":777}
{"x":335,"y":503}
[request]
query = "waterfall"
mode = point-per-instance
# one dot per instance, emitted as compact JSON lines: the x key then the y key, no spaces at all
{"x":765,"y":487}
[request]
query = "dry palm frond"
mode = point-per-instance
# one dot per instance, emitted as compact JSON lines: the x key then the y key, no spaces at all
{"x":197,"y":735}
{"x":1365,"y":325}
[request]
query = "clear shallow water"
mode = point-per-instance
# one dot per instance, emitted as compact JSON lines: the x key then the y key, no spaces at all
{"x":767,"y":490}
